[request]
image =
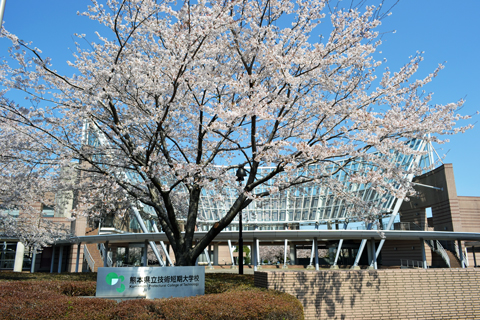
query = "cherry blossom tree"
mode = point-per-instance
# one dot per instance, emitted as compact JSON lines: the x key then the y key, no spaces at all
{"x":175,"y":97}
{"x":23,"y":193}
{"x":276,"y":253}
{"x":32,"y":230}
{"x":273,"y":253}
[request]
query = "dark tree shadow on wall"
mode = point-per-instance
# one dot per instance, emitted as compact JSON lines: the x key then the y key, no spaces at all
{"x":331,"y":294}
{"x":358,"y":279}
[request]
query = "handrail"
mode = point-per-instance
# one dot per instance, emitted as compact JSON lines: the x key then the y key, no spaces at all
{"x":437,"y":247}
{"x":443,"y":253}
{"x":459,"y":255}
{"x":467,"y":263}
{"x":88,"y":257}
{"x":109,"y":259}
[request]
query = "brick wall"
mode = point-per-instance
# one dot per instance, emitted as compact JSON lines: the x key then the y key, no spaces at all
{"x":469,"y":209}
{"x":381,"y":294}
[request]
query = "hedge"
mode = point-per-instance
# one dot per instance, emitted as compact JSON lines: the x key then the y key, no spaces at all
{"x":66,"y":300}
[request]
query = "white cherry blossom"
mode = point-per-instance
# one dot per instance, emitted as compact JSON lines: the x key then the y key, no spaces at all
{"x":183,"y":94}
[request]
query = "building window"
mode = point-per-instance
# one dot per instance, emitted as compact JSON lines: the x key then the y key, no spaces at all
{"x":12,"y":212}
{"x":47,"y":211}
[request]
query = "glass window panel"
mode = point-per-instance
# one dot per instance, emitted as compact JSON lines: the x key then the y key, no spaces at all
{"x":275,"y":215}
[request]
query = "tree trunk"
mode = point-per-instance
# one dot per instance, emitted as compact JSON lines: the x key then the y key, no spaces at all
{"x":184,"y":258}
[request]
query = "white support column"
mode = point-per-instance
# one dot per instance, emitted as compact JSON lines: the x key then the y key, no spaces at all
{"x":254,"y":254}
{"x":315,"y":245}
{"x":53,"y":259}
{"x":310,"y":266}
{"x":340,"y":244}
{"x":313,"y":252}
{"x":207,"y":256}
{"x":145,"y":230}
{"x":424,"y":256}
{"x":337,"y":255}
{"x":60,"y":258}
{"x":359,"y":254}
{"x":34,"y":258}
{"x":231,"y":254}
{"x":167,"y":254}
{"x":154,"y":247}
{"x":360,"y":250}
{"x":19,"y":253}
{"x":259,"y":262}
{"x":215,"y":254}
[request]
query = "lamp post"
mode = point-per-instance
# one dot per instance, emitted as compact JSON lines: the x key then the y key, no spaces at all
{"x":241,"y":173}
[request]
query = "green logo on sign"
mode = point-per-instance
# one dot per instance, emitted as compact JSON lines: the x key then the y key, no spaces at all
{"x":112,"y":279}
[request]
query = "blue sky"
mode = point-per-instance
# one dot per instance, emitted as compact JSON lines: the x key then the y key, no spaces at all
{"x":447,"y":31}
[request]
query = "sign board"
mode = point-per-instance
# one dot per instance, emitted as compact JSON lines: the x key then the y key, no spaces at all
{"x":150,"y":282}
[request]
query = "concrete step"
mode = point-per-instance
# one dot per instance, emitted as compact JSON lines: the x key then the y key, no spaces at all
{"x":95,"y":253}
{"x":454,"y":262}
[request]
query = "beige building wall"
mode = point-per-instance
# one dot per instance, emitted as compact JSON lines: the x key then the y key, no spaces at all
{"x":380,"y":294}
{"x":450,"y":212}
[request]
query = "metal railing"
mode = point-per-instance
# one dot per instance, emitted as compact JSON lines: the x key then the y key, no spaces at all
{"x":443,"y":253}
{"x":438,"y":248}
{"x":101,"y":248}
{"x":461,"y":257}
{"x":467,"y":263}
{"x":457,"y":251}
{"x":88,"y":257}
{"x":7,"y":264}
{"x":405,"y":263}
